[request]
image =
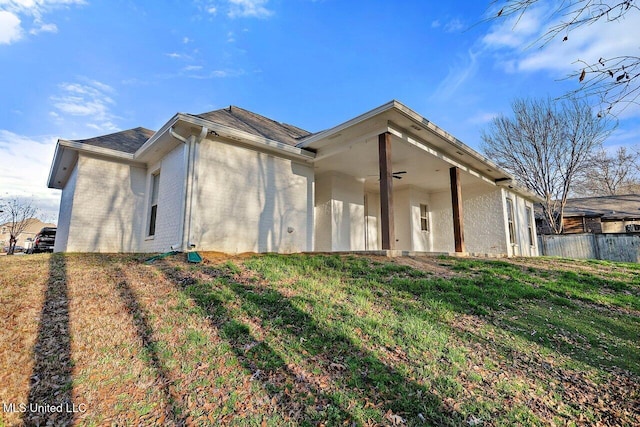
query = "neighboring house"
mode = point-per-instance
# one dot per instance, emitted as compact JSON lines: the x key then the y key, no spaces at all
{"x":25,"y":239}
{"x":605,"y":214}
{"x":233,"y":181}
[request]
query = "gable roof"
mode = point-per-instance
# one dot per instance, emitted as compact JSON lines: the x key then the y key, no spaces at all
{"x":608,"y":207}
{"x":625,"y":206}
{"x":255,"y":124}
{"x":127,"y":141}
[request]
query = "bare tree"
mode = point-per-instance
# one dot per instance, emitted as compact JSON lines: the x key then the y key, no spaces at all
{"x":545,"y":145}
{"x":614,"y":80}
{"x":609,"y":175}
{"x":16,"y":215}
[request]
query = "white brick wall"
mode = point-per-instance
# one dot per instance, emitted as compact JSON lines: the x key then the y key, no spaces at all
{"x":340,"y":210}
{"x":64,"y":216}
{"x":483,"y":219}
{"x":246,"y":200}
{"x":107,"y":202}
{"x":522,"y":246}
{"x":170,"y":214}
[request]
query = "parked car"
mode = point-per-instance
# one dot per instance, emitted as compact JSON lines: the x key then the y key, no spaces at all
{"x":44,"y":240}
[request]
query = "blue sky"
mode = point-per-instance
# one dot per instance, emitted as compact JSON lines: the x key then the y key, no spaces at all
{"x":74,"y":69}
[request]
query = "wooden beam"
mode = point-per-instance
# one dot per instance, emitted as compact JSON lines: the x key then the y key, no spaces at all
{"x":456,"y":202}
{"x":386,"y":191}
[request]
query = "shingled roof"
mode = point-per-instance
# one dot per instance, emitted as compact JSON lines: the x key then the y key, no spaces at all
{"x":255,"y":124}
{"x":127,"y":141}
{"x":625,"y":206}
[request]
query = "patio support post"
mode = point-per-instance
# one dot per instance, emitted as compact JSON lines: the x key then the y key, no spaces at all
{"x":456,"y":201}
{"x":386,"y":191}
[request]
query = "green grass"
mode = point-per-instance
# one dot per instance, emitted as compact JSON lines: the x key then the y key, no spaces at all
{"x":336,"y":340}
{"x":387,"y":338}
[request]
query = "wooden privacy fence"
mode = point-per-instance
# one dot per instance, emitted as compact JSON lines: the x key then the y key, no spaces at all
{"x":623,"y":247}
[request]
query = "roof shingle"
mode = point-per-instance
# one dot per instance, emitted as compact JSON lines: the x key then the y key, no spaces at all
{"x":127,"y":141}
{"x":255,"y":124}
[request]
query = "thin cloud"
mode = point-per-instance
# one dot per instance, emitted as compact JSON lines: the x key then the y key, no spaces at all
{"x":453,"y":26}
{"x":248,"y":9}
{"x":219,"y":74}
{"x":457,"y":76}
{"x":517,"y":43}
{"x":44,"y":28}
{"x":90,"y":100}
{"x":483,"y":117}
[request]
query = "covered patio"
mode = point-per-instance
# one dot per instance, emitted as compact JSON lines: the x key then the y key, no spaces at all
{"x":391,"y":180}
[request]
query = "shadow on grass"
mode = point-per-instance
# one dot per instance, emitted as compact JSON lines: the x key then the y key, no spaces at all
{"x":579,"y":315}
{"x":140,"y":319}
{"x":50,"y":390}
{"x":326,"y":377}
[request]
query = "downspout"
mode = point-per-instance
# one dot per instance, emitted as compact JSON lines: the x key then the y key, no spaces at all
{"x":189,"y":167}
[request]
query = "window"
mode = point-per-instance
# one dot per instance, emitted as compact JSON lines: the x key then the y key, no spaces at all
{"x":155,"y":187}
{"x":530,"y":225}
{"x":510,"y":220}
{"x":424,"y":217}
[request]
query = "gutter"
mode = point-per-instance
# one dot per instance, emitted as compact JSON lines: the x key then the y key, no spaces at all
{"x":190,"y":172}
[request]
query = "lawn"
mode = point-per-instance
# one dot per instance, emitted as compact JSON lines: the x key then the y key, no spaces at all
{"x":318,"y":340}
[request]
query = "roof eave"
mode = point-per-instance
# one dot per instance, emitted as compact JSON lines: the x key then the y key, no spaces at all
{"x":248,"y":138}
{"x":308,"y":140}
{"x":78,"y":147}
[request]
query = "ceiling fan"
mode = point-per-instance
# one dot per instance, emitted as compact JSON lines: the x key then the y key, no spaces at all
{"x":396,"y":175}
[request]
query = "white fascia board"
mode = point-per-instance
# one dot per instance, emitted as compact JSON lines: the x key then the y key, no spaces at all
{"x":165,"y":128}
{"x":55,"y":164}
{"x":78,"y":147}
{"x":249,"y":139}
{"x":305,"y":142}
{"x":92,"y":149}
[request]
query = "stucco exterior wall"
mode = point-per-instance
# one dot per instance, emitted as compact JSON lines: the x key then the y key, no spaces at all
{"x":66,"y":209}
{"x":107,"y":201}
{"x":170,"y":214}
{"x":249,"y":201}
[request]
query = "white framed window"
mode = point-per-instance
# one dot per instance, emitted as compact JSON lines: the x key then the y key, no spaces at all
{"x":424,"y":217}
{"x":530,"y":226}
{"x":153,"y":211}
{"x":511,"y":222}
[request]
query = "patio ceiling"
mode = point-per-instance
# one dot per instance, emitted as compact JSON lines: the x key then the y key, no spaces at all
{"x":424,"y":151}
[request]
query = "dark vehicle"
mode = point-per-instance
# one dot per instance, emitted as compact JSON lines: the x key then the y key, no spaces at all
{"x":44,"y":240}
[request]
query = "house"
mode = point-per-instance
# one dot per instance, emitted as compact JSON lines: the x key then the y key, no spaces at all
{"x":25,"y":239}
{"x":234,"y":181}
{"x":604,"y":214}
